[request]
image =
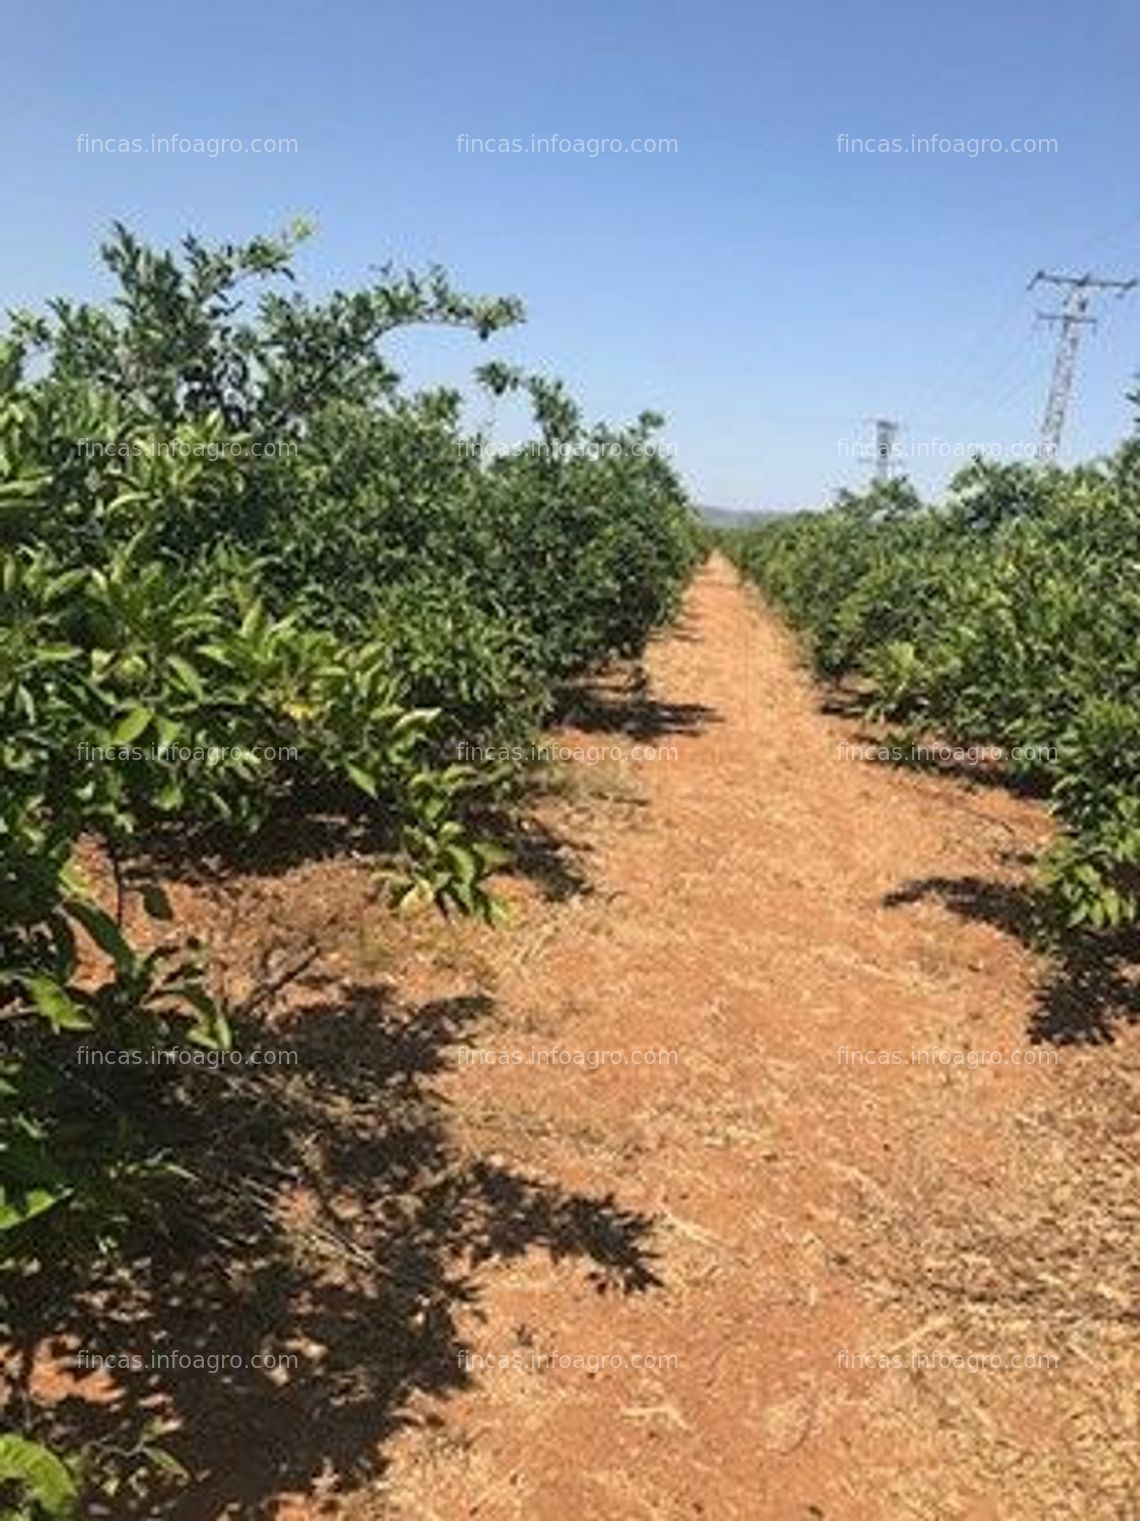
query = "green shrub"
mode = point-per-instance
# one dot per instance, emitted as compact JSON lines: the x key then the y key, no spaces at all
{"x":224,"y":528}
{"x":1007,"y":616}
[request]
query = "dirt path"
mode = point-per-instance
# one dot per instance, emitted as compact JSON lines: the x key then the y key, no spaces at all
{"x":731,"y":1253}
{"x":760,"y":902}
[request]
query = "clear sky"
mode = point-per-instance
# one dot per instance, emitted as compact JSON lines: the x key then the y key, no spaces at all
{"x":766,"y":290}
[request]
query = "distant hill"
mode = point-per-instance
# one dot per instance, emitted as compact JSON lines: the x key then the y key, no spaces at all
{"x":731,"y":517}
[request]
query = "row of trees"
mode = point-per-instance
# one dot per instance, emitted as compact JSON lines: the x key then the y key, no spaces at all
{"x":228,"y":534}
{"x":1007,"y":615}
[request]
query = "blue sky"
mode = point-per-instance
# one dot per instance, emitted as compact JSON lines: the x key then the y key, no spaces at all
{"x":767,"y":291}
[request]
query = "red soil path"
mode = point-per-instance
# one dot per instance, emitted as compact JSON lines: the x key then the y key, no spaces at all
{"x":755,"y":913}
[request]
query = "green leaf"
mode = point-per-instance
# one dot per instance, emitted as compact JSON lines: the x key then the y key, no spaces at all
{"x":491,"y":854}
{"x":168,"y":731}
{"x":54,"y":1003}
{"x":251,"y":623}
{"x":33,"y":1202}
{"x":170,"y":795}
{"x":104,"y":931}
{"x":363,"y":779}
{"x":464,"y":863}
{"x":166,"y":1462}
{"x":189,"y":675}
{"x":414,"y":898}
{"x":44,"y":1478}
{"x":131,"y":726}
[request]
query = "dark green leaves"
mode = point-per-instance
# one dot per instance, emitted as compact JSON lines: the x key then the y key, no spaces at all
{"x":1006,"y":617}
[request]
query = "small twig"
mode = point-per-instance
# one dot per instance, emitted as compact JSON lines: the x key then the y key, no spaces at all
{"x":267,"y":990}
{"x":120,"y":886}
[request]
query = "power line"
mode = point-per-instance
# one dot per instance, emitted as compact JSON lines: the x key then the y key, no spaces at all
{"x":934,"y":398}
{"x":956,"y":388}
{"x":988,"y":399}
{"x":972,"y":398}
{"x":1107,"y":235}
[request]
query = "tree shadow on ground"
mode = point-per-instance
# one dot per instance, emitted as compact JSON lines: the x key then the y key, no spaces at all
{"x":926,"y":755}
{"x":551,"y":860}
{"x":325,"y":1215}
{"x":622,"y":705}
{"x":306,"y":828}
{"x":1091,"y":986}
{"x":293,"y":837}
{"x":540,"y":853}
{"x":930,"y":757}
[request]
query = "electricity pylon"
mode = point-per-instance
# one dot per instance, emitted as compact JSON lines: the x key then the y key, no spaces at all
{"x":885,"y":430}
{"x":1072,"y":318}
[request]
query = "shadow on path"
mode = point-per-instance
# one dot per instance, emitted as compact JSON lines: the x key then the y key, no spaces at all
{"x":326,"y":1216}
{"x":1092,"y":983}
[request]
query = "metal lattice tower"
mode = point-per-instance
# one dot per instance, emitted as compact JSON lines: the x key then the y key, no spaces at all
{"x":1073,"y":318}
{"x":885,"y":430}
